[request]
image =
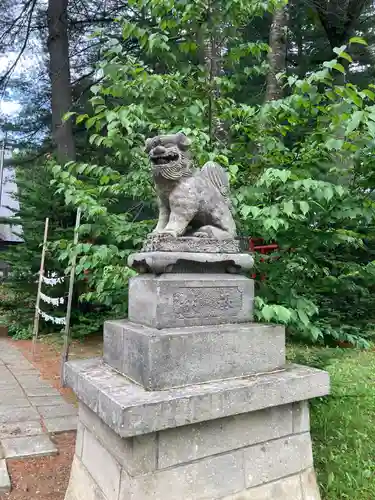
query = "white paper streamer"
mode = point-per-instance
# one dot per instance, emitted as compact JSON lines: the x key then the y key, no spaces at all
{"x":52,"y":319}
{"x":53,"y":301}
{"x":52,"y":281}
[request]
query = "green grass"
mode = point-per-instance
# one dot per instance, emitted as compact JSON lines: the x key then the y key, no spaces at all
{"x":343,"y":424}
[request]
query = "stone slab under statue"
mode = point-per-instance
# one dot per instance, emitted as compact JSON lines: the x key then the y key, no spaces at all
{"x":192,"y":400}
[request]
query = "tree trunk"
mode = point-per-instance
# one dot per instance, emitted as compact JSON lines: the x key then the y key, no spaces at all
{"x":277,"y":55}
{"x":338,"y":18}
{"x":59,"y":69}
{"x":210,"y":47}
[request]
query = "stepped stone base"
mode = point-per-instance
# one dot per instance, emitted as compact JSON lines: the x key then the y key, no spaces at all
{"x":231,"y":439}
{"x":192,"y":400}
{"x":264,"y":455}
{"x":175,"y":357}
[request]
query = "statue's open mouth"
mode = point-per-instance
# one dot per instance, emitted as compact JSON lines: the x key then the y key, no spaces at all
{"x":164,"y":159}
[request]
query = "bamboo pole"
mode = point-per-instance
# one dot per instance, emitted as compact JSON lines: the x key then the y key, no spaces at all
{"x":65,"y":352}
{"x":41,"y":274}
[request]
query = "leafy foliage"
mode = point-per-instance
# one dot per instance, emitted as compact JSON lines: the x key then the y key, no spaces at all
{"x":137,"y":98}
{"x":35,"y":204}
{"x":300,"y":167}
{"x":317,"y":205}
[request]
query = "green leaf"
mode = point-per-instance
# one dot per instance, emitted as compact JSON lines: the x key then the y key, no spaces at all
{"x":233,"y":169}
{"x":345,"y":55}
{"x":81,"y":118}
{"x":339,"y":50}
{"x":90,"y":122}
{"x":353,"y":94}
{"x":284,"y":175}
{"x":369,"y":93}
{"x":282,"y":314}
{"x":359,"y":40}
{"x":268,"y":312}
{"x":354,"y":122}
{"x":245,"y":211}
{"x":328,"y":193}
{"x":304,"y":206}
{"x":334,"y":144}
{"x":339,"y":67}
{"x":371,"y":128}
{"x":67,"y":116}
{"x":255,"y":211}
{"x":340,"y":190}
{"x":95,"y":89}
{"x":289,"y":207}
{"x":303,"y":316}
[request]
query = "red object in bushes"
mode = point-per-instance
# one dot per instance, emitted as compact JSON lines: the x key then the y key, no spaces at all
{"x":257,"y":245}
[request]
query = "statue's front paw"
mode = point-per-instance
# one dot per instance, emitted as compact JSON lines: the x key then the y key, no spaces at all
{"x":169,"y":233}
{"x":200,"y":234}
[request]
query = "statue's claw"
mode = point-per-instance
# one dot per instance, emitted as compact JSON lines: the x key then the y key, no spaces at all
{"x":168,"y":233}
{"x":200,"y":234}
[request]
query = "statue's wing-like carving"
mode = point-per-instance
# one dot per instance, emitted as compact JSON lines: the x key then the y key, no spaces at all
{"x":218,"y":176}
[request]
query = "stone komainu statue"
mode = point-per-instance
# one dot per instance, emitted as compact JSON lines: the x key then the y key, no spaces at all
{"x":192,"y":202}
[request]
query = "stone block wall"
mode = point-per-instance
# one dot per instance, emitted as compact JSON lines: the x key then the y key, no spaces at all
{"x":263,"y":455}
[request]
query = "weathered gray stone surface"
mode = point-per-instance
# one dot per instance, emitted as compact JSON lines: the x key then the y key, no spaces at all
{"x":301,"y":417}
{"x":210,"y":478}
{"x":156,"y":243}
{"x":61,"y":410}
{"x":17,"y":401}
{"x":4,"y":478}
{"x":53,"y":400}
{"x":130,"y":410}
{"x":79,"y":439}
{"x":29,"y":446}
{"x":269,"y":461}
{"x":301,"y":486}
{"x":137,"y":455}
{"x":175,"y":357}
{"x":23,"y":398}
{"x":28,"y":428}
{"x":38,"y":391}
{"x":309,"y":485}
{"x":81,"y":485}
{"x":32,"y":381}
{"x":192,"y":442}
{"x":9,"y":384}
{"x":174,"y":300}
{"x":101,"y":465}
{"x":288,"y":488}
{"x":188,"y":263}
{"x":18,"y":415}
{"x":61,"y":424}
{"x":186,"y":196}
{"x":218,"y":473}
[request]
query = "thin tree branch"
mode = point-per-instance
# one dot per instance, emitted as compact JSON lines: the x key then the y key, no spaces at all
{"x":5,"y":78}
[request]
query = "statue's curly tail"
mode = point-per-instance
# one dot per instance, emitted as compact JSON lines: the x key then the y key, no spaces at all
{"x":218,"y":176}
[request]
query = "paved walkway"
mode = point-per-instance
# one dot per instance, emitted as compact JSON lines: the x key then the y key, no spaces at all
{"x":30,"y":409}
